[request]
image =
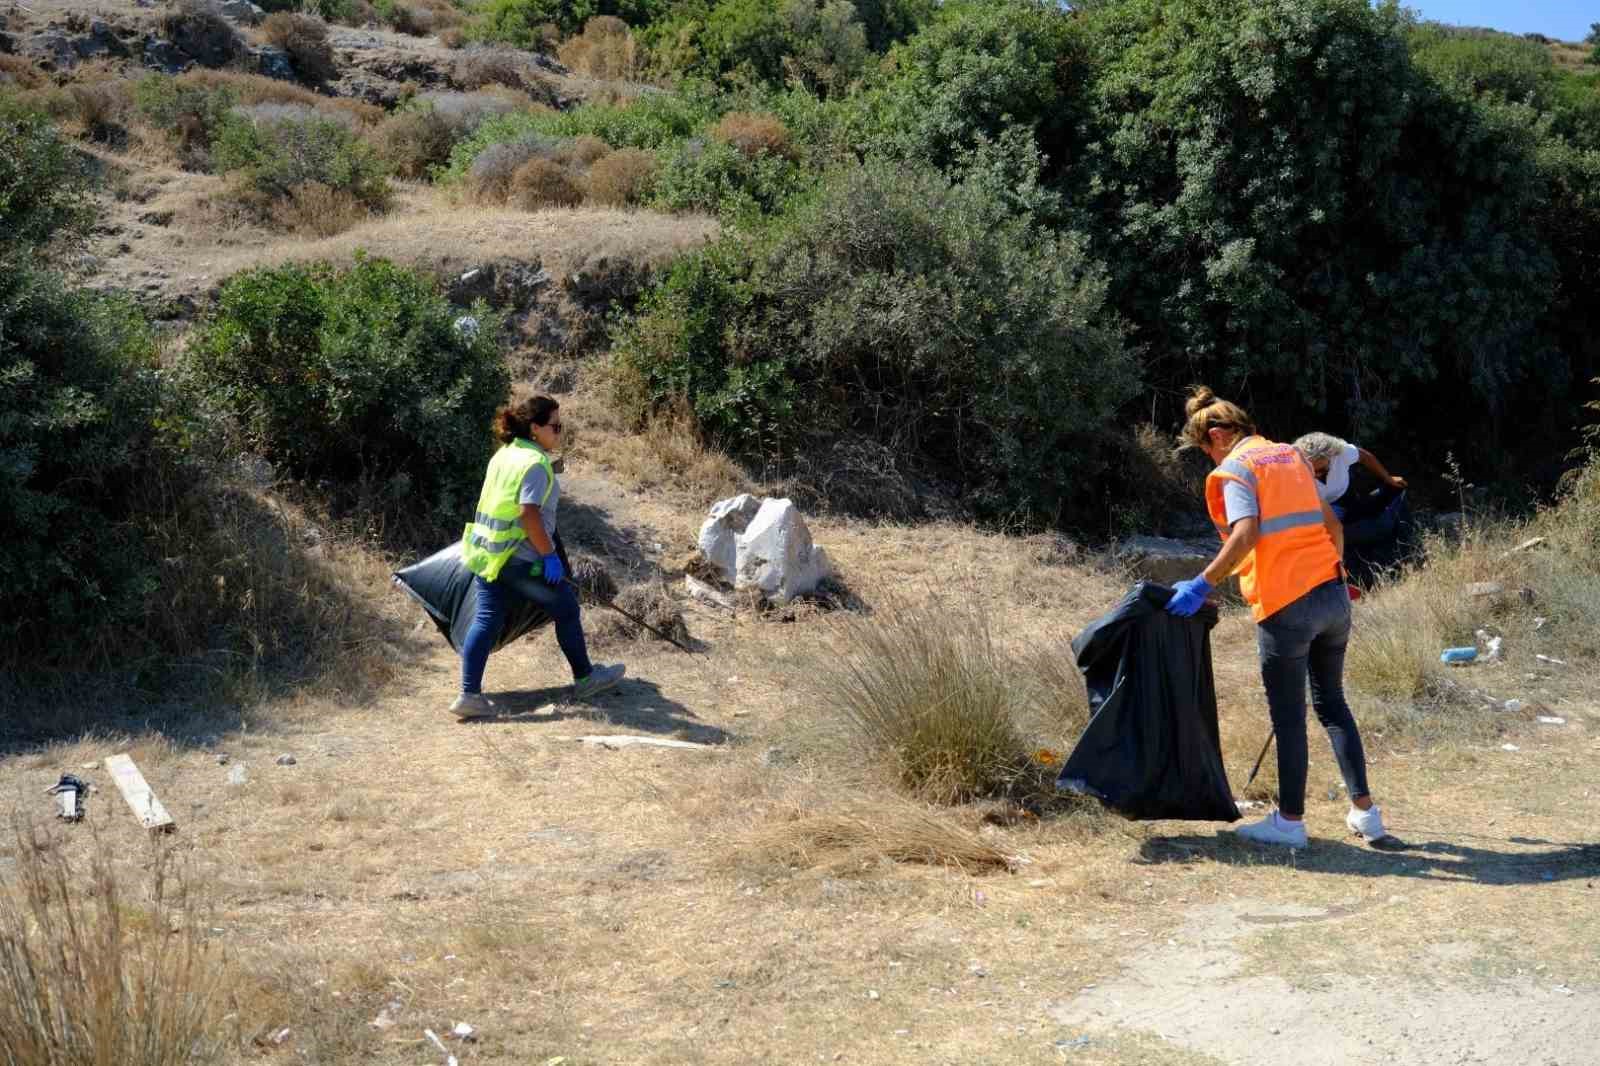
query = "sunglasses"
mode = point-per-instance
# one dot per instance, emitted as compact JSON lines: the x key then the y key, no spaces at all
{"x":554,"y":427}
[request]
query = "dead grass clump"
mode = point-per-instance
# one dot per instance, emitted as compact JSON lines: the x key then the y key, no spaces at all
{"x":605,"y":49}
{"x":623,"y":178}
{"x":863,"y":831}
{"x":582,"y":152}
{"x":316,"y":210}
{"x":21,"y":72}
{"x":489,"y":178}
{"x":306,"y":40}
{"x":927,"y":690}
{"x":481,"y":67}
{"x":251,"y":89}
{"x":415,"y":141}
{"x":651,"y":602}
{"x":102,"y":107}
{"x":92,"y":975}
{"x":541,"y":183}
{"x":423,"y":18}
{"x":668,"y":451}
{"x":595,"y":583}
{"x":754,"y":133}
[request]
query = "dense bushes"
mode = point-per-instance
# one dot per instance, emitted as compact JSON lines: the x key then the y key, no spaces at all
{"x":277,"y":149}
{"x":355,"y":374}
{"x":79,"y":401}
{"x":905,"y":307}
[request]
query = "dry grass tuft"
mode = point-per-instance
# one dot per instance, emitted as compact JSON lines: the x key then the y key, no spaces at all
{"x":648,"y":600}
{"x":317,"y":210}
{"x":864,"y":831}
{"x":252,"y":89}
{"x":305,"y":38}
{"x":605,"y":49}
{"x":666,"y":452}
{"x":754,"y":133}
{"x":582,"y":152}
{"x":541,"y":183}
{"x":595,"y":583}
{"x":21,"y":72}
{"x":90,"y":976}
{"x":623,"y":178}
{"x":926,"y":688}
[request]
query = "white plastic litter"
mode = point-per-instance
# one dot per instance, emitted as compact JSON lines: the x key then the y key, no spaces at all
{"x":1509,"y":747}
{"x":1550,"y":719}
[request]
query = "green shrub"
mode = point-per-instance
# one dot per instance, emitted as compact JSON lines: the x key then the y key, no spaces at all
{"x":359,"y":373}
{"x":79,"y":401}
{"x":279,"y":147}
{"x":189,"y":115}
{"x":715,"y":176}
{"x":928,"y":314}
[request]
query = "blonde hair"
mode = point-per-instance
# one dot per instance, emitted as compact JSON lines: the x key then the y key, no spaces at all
{"x":1205,"y":412}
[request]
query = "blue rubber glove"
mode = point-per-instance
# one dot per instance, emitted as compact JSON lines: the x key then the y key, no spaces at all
{"x":553,"y":570}
{"x":1189,"y":596}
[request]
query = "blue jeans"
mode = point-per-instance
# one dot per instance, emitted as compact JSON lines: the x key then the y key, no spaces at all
{"x":519,"y":578}
{"x":1308,"y":638}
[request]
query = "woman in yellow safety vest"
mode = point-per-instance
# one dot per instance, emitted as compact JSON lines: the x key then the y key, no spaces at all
{"x":1286,"y":547}
{"x":510,"y":548}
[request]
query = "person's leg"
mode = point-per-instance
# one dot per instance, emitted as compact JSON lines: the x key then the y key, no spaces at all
{"x":560,"y":602}
{"x":1283,"y":641}
{"x":481,"y":635}
{"x":1325,"y":662}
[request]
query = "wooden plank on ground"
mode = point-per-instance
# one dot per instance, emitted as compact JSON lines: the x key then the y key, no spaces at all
{"x":131,"y":783}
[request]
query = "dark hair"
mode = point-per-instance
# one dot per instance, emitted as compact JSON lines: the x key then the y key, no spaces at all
{"x":518,"y":419}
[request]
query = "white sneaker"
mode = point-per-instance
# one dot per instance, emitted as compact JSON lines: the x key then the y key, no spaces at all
{"x":1367,"y":823}
{"x":1274,"y":830}
{"x":473,"y":705}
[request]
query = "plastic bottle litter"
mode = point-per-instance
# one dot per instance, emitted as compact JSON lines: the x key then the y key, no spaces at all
{"x":1458,"y":655}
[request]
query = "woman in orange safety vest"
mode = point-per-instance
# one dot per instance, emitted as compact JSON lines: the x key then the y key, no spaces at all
{"x":1286,"y":547}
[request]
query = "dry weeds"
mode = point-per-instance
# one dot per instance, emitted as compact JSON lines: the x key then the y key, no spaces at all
{"x":92,"y":974}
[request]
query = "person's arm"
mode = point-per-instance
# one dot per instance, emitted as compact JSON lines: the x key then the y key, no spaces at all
{"x":1370,"y":461}
{"x":1335,"y":528}
{"x":533,"y":526}
{"x":1242,"y":537}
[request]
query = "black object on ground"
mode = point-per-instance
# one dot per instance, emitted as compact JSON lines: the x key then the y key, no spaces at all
{"x":1151,"y":749}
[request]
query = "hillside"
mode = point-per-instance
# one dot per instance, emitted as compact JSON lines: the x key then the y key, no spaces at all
{"x":827,"y":269}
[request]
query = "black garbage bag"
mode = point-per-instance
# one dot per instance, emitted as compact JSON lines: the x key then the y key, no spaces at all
{"x":443,"y":585}
{"x":1151,"y":748}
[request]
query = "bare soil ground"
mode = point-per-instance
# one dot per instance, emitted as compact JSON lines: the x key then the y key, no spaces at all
{"x":610,"y":906}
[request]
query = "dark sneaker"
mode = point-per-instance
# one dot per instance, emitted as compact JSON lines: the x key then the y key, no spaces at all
{"x":599,"y":679}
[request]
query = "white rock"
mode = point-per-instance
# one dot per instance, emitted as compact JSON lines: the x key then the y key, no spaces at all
{"x":1509,"y":747}
{"x":719,"y":534}
{"x":238,"y":775}
{"x":1550,"y":719}
{"x":764,"y":545}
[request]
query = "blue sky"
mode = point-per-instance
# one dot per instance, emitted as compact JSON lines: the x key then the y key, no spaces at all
{"x":1566,"y":20}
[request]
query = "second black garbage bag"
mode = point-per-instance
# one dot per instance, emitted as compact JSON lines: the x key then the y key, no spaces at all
{"x":1151,"y":749}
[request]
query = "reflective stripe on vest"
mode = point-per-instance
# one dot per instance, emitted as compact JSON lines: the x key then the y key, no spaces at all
{"x":1293,"y":552}
{"x":490,"y":540}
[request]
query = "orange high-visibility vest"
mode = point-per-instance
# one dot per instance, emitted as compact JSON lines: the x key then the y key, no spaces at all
{"x":1294,"y":553}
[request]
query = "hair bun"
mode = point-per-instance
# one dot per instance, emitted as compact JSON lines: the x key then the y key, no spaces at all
{"x":1200,"y":397}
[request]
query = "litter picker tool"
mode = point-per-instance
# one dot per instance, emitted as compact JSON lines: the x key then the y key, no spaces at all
{"x":1259,"y":758}
{"x":636,"y":620}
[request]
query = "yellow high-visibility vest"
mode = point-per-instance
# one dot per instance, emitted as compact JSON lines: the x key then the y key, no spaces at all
{"x":491,"y":538}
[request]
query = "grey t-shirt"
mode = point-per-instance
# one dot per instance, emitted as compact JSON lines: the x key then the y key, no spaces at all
{"x":1240,"y":501}
{"x":533,"y":486}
